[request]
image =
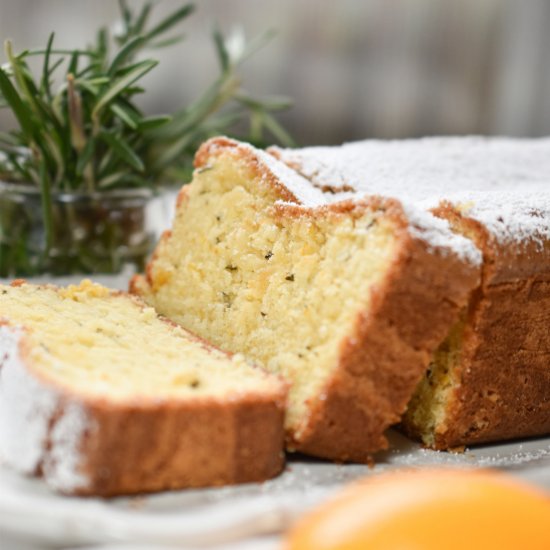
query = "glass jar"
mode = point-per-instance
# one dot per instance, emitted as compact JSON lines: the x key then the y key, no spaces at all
{"x":102,"y":232}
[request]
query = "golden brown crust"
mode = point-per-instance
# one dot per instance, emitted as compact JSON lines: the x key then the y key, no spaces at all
{"x":138,"y":449}
{"x":148,"y":268}
{"x":224,"y":145}
{"x":383,"y":361}
{"x":183,"y":196}
{"x":138,"y":282}
{"x":503,"y":389}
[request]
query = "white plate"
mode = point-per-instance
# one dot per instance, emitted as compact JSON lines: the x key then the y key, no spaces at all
{"x":214,"y":517}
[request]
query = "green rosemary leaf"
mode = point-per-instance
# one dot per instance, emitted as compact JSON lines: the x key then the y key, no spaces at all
{"x":112,"y":180}
{"x":101,"y":50}
{"x":135,"y":180}
{"x":133,"y":90}
{"x":57,"y":160}
{"x":126,"y":53}
{"x":170,"y":21}
{"x":221,"y":50}
{"x":98,"y":80}
{"x":86,"y":70}
{"x":54,"y":67}
{"x":124,"y":180}
{"x":126,"y":13}
{"x":85,"y":156}
{"x":172,"y":151}
{"x":151,"y":122}
{"x":119,"y":85}
{"x":142,"y":19}
{"x":123,"y":71}
{"x":57,"y":51}
{"x":277,"y":130}
{"x":219,"y":124}
{"x":45,"y":112}
{"x":21,"y":75}
{"x":123,"y":150}
{"x":125,"y":102}
{"x":209,"y":103}
{"x":45,"y":84}
{"x":124,"y":115}
{"x":46,"y":208}
{"x":73,"y":63}
{"x":89,"y":86}
{"x":180,"y":173}
{"x":256,"y":44}
{"x":22,"y":55}
{"x":273,"y":103}
{"x":168,"y":42}
{"x":16,"y":104}
{"x":107,"y":161}
{"x":29,"y":92}
{"x":44,"y":147}
{"x":41,"y":153}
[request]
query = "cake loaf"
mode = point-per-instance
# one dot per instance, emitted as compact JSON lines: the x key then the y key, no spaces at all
{"x":345,"y":296}
{"x":99,"y":396}
{"x":490,"y":379}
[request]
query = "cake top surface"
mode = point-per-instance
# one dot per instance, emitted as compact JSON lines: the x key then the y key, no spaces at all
{"x":503,"y":183}
{"x":108,"y":344}
{"x":311,"y":193}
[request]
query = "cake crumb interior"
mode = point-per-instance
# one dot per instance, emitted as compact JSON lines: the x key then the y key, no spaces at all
{"x":427,"y":408}
{"x":109,"y":345}
{"x":280,"y":284}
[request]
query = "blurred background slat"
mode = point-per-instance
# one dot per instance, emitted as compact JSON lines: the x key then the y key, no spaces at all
{"x":355,"y":68}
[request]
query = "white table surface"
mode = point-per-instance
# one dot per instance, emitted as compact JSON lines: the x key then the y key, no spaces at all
{"x":251,"y":516}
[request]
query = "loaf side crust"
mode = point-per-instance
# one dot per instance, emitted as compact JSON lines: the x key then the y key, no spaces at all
{"x":183,"y":445}
{"x":504,"y":371}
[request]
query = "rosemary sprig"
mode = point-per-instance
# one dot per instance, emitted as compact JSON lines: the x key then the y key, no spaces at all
{"x":87,"y":131}
{"x":221,"y":106}
{"x":86,"y":134}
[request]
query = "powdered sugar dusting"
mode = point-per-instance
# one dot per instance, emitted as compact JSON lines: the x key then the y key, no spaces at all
{"x":25,"y":409}
{"x":505,"y":182}
{"x":438,"y":234}
{"x":511,"y":216}
{"x":62,"y":464}
{"x":299,"y":186}
{"x":29,"y":409}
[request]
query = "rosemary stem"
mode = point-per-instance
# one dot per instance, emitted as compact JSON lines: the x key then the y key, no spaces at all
{"x":46,"y":202}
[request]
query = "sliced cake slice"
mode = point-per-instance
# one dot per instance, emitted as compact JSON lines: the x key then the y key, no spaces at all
{"x":346,"y":297}
{"x":100,"y":396}
{"x":490,"y":379}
